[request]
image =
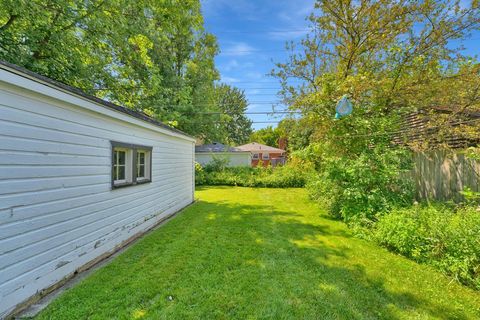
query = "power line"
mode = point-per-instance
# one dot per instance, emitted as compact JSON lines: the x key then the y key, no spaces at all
{"x":263,"y":31}
{"x":266,"y":121}
{"x":302,"y":50}
{"x":251,"y":112}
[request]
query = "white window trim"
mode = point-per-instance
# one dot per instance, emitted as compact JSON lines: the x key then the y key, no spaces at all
{"x":127,"y":165}
{"x":147,"y":163}
{"x":267,"y":156}
{"x":131,"y":164}
{"x":255,"y":156}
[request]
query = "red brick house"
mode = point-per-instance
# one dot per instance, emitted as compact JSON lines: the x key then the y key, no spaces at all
{"x":268,"y":155}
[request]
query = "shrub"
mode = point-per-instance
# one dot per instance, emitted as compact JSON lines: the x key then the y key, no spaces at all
{"x":294,"y":174}
{"x":217,"y":164}
{"x":199,"y":174}
{"x":359,"y":188}
{"x":446,"y":238}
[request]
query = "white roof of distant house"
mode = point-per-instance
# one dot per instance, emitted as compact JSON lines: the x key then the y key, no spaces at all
{"x":258,"y":147}
{"x":216,"y":147}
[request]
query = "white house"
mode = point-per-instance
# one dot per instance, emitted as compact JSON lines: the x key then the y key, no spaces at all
{"x":79,"y":178}
{"x":204,"y":154}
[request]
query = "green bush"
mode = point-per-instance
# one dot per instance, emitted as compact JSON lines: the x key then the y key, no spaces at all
{"x":446,"y":238}
{"x":359,"y":188}
{"x":295,"y":174}
{"x":199,"y":174}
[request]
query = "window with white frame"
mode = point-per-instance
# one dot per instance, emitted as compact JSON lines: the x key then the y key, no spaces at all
{"x":131,"y":164}
{"x":265,"y":156}
{"x":255,"y":156}
{"x":143,"y":165}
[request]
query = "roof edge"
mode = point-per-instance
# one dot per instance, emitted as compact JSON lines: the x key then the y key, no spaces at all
{"x":23,"y":72}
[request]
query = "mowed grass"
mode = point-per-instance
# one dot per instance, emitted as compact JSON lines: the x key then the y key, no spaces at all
{"x":243,"y":253}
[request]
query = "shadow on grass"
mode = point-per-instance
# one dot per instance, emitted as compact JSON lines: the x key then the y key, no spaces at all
{"x":295,"y":258}
{"x":227,"y":260}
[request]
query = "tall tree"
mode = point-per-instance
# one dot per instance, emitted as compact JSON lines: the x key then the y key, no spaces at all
{"x":233,"y":125}
{"x":268,"y":135}
{"x":153,"y":56}
{"x":390,"y":58}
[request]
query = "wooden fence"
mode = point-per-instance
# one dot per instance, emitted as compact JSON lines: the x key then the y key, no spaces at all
{"x":441,"y":175}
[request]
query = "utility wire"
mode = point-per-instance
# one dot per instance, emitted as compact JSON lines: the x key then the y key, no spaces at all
{"x":254,"y":112}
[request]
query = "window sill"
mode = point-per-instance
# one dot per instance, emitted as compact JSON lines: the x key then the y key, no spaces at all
{"x":142,"y":181}
{"x":121,"y":185}
{"x":128,"y":184}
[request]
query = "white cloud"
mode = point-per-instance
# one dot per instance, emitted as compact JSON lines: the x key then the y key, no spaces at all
{"x":288,"y":35}
{"x":255,"y":75}
{"x":238,"y":49}
{"x":230,"y":65}
{"x":229,"y":79}
{"x":247,"y":9}
{"x":235,"y":65}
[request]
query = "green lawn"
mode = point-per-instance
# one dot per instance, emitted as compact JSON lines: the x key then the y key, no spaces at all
{"x":242,"y":253}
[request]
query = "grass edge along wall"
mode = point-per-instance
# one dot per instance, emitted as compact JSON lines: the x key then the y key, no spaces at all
{"x":64,"y":201}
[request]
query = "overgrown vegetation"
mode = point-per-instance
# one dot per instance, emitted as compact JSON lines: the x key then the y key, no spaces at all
{"x":359,"y":189}
{"x":447,"y":238}
{"x":391,"y":59}
{"x":294,"y":174}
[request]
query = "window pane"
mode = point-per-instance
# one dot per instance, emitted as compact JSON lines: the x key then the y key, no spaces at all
{"x":121,"y":157}
{"x":141,"y":171}
{"x":121,"y":173}
{"x":141,"y":158}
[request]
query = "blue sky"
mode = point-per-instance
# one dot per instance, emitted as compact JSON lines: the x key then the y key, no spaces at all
{"x":252,"y":36}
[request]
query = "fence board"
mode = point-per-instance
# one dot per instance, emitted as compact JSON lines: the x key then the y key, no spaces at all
{"x":439,"y":175}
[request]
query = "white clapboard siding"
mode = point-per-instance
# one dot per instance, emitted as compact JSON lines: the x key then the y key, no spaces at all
{"x":58,"y":210}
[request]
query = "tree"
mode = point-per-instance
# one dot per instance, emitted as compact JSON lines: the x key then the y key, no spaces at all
{"x":152,"y":56}
{"x":233,"y":126}
{"x":391,"y":58}
{"x":267,"y":135}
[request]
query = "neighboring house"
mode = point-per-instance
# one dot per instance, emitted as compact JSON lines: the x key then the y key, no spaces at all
{"x":204,"y":154}
{"x":79,"y":178}
{"x":268,"y":155}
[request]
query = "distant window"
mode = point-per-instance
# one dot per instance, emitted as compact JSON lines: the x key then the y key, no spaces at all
{"x":255,"y":156}
{"x":265,"y":156}
{"x":131,"y":164}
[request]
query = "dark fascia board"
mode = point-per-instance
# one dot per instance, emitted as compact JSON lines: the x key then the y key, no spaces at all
{"x":59,"y":85}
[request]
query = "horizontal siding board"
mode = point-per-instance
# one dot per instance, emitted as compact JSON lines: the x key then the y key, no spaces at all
{"x":20,"y":232}
{"x":78,"y":202}
{"x":22,"y":130}
{"x":49,"y":117}
{"x":36,"y":158}
{"x":22,"y":172}
{"x":23,"y":292}
{"x":52,"y":259}
{"x":57,"y":208}
{"x":17,"y":186}
{"x":82,"y":236}
{"x":46,"y":147}
{"x":36,"y":197}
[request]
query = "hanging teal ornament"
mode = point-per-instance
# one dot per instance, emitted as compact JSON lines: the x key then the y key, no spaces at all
{"x":344,"y":108}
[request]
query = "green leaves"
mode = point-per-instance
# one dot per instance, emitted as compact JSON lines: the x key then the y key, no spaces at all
{"x":146,"y":55}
